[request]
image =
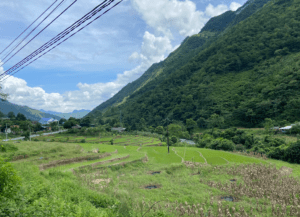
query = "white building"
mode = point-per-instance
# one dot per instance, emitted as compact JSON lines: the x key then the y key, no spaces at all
{"x":120,"y":129}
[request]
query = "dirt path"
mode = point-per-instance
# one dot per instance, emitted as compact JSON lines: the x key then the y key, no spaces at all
{"x":225,"y":160}
{"x":202,"y":157}
{"x":182,"y":160}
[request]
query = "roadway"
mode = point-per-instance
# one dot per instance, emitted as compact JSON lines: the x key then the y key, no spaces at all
{"x":34,"y":135}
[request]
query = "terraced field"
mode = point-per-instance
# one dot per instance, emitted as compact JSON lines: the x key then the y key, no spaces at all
{"x":125,"y":170}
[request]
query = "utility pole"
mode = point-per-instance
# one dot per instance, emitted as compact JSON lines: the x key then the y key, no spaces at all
{"x":6,"y":132}
{"x":167,"y":121}
{"x":120,"y":119}
{"x":168,"y":139}
{"x":29,"y":133}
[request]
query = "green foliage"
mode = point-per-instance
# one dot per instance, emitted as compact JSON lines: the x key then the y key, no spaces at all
{"x":269,"y":124}
{"x":20,"y":117}
{"x":292,"y":153}
{"x":174,"y":139}
{"x":190,"y":124}
{"x":112,"y":141}
{"x":159,"y":130}
{"x":26,"y":134}
{"x":83,"y":141}
{"x":219,"y":74}
{"x":9,"y":180}
{"x":11,"y":115}
{"x":174,"y":129}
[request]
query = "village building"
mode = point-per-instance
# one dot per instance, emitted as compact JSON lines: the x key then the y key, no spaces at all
{"x":76,"y":127}
{"x":45,"y":121}
{"x":187,"y":141}
{"x":119,"y":129}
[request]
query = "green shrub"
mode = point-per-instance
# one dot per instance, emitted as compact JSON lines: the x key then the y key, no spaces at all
{"x":9,"y":181}
{"x":26,"y":135}
{"x":8,"y":148}
{"x":293,"y":153}
{"x":82,"y":141}
{"x":174,"y":139}
{"x":240,"y":147}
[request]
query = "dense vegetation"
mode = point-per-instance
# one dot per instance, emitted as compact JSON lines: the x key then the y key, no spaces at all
{"x":247,"y":73}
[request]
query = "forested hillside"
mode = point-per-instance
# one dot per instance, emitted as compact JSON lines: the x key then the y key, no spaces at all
{"x":246,"y":73}
{"x":32,"y":114}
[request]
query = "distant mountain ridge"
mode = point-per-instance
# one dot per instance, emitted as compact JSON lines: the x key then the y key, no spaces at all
{"x":76,"y":113}
{"x":32,"y":114}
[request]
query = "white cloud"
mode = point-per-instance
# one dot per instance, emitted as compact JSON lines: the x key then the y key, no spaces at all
{"x":212,"y":11}
{"x":234,"y":6}
{"x":215,"y":11}
{"x":89,"y":95}
{"x":166,"y":16}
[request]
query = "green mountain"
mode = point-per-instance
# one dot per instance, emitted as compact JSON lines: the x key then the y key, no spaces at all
{"x":32,"y":114}
{"x":243,"y":66}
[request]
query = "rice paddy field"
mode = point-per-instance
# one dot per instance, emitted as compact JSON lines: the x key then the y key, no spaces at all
{"x":137,"y":177}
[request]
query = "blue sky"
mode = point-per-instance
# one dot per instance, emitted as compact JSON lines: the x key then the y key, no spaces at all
{"x":97,"y":62}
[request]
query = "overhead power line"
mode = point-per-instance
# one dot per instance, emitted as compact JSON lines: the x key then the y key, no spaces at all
{"x":59,"y":37}
{"x":35,"y":29}
{"x":29,"y":26}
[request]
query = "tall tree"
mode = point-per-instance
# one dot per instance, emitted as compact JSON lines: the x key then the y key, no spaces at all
{"x":20,"y":117}
{"x":11,"y":115}
{"x":190,"y":125}
{"x":215,"y":121}
{"x":61,"y":121}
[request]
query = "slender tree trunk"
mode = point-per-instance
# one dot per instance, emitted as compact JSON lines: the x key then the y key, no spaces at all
{"x":168,"y":139}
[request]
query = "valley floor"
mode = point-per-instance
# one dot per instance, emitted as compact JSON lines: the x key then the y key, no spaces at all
{"x":134,"y":178}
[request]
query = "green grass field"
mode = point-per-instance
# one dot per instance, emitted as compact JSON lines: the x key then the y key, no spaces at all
{"x":127,"y":183}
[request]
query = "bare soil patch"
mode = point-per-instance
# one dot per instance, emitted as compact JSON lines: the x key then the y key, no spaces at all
{"x":98,"y":181}
{"x":229,"y":198}
{"x":104,"y":162}
{"x":151,"y":186}
{"x":154,"y":172}
{"x":20,"y":157}
{"x":72,"y":160}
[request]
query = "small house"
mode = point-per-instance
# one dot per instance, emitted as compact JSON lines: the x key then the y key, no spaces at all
{"x":119,"y":129}
{"x":76,"y":127}
{"x":45,"y":121}
{"x":187,"y":141}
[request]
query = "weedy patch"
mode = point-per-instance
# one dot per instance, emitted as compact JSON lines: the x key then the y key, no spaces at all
{"x":98,"y":181}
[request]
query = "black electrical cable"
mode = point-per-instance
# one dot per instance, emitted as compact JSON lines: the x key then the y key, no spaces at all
{"x":88,"y":17}
{"x":29,"y":26}
{"x":62,"y":34}
{"x":32,"y":31}
{"x":63,"y":40}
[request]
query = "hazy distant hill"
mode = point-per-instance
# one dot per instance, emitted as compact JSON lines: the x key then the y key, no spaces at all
{"x":243,"y":66}
{"x":76,"y":113}
{"x":29,"y":113}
